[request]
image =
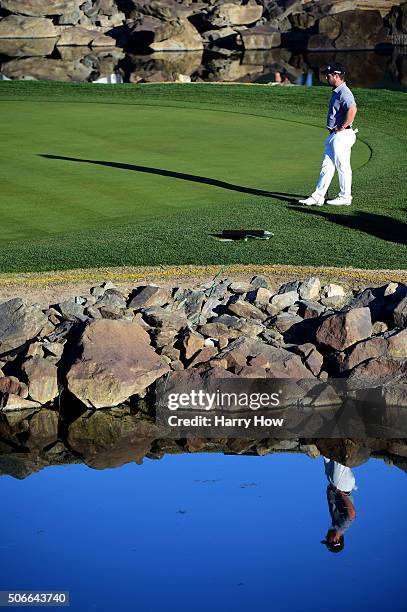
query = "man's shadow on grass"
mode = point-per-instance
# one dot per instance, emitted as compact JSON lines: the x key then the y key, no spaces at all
{"x":380,"y":226}
{"x":284,"y":197}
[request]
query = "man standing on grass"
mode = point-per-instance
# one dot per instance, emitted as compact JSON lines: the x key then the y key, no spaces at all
{"x":338,"y":145}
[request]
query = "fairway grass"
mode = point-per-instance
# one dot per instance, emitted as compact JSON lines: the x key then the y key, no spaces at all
{"x":144,"y":175}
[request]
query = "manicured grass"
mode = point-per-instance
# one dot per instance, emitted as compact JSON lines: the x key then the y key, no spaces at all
{"x":96,"y":175}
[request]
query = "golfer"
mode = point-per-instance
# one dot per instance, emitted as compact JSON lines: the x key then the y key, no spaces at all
{"x":340,"y":503}
{"x":338,"y":145}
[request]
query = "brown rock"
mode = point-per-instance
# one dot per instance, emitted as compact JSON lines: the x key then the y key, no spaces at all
{"x":192,"y":342}
{"x":175,"y":35}
{"x":378,"y":371}
{"x":400,"y":313}
{"x":281,"y":301}
{"x":246,"y":310}
{"x":15,"y":402}
{"x":11,"y":384}
{"x":330,"y":27}
{"x":344,"y":329}
{"x":310,"y":289}
{"x":397,"y":345}
{"x":313,"y":358}
{"x":204,"y":356}
{"x":260,"y":37}
{"x":230,"y":14}
{"x":368,"y":349}
{"x":278,"y":362}
{"x":285,"y":321}
{"x":150,"y":295}
{"x":116,"y":363}
{"x":158,"y":317}
{"x":165,"y":10}
{"x":379,"y":327}
{"x":78,"y":36}
{"x":262,"y":295}
{"x":42,"y":379}
{"x":39,"y":8}
{"x":320,"y":41}
{"x":16,"y":26}
{"x":215,"y":330}
{"x":240,"y":287}
{"x":362,"y":29}
{"x":19,"y":322}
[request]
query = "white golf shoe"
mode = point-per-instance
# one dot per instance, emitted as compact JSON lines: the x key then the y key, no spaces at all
{"x":311,"y":201}
{"x":340,"y":201}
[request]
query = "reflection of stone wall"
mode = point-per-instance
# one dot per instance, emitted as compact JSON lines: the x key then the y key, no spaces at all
{"x":226,"y":33}
{"x":36,"y":58}
{"x":33,"y":440}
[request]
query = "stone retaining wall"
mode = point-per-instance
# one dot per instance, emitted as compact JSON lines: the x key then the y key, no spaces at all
{"x":163,"y":25}
{"x":104,"y":348}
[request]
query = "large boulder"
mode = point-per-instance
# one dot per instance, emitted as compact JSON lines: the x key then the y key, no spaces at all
{"x":41,"y":379}
{"x":40,"y":8}
{"x":78,"y":36}
{"x":175,"y":35}
{"x":277,"y":362}
{"x":231,"y":14}
{"x":16,"y":26}
{"x":11,"y":385}
{"x":341,"y":330}
{"x":260,"y":37}
{"x":400,"y":313}
{"x":116,"y":361}
{"x":184,"y":38}
{"x":376,"y":372}
{"x":19,"y":322}
{"x":350,"y":30}
{"x":162,"y":9}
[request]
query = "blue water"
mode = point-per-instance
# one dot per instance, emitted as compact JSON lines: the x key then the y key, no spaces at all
{"x":157,"y":537}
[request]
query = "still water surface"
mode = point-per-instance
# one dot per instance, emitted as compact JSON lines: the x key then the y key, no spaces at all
{"x":204,"y":532}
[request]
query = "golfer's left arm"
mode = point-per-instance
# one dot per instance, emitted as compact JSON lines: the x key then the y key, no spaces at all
{"x":349,"y":117}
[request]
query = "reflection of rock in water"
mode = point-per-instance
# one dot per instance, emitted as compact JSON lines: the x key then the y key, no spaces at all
{"x":65,"y":64}
{"x":35,"y":47}
{"x":364,"y":69}
{"x":41,"y":59}
{"x":161,"y":66}
{"x":33,"y":439}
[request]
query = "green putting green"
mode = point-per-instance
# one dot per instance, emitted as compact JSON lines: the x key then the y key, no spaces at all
{"x":145,"y":175}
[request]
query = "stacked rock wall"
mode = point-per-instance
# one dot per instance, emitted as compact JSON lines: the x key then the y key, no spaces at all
{"x":186,"y":25}
{"x":104,"y":348}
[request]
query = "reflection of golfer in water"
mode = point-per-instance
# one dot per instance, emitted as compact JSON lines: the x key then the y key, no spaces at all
{"x":340,"y":503}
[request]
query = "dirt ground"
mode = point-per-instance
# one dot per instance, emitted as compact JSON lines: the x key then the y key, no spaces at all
{"x":48,"y":288}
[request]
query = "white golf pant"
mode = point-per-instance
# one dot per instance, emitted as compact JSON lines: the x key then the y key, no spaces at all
{"x":337,"y":155}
